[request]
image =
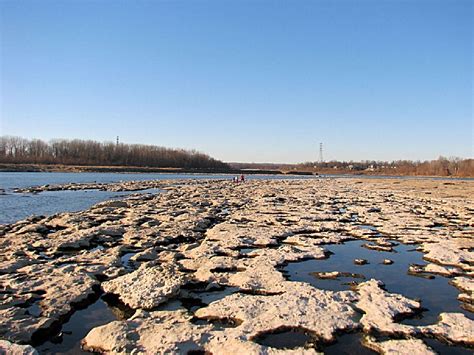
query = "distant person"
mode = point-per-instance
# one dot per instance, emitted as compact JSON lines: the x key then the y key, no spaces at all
{"x":242,"y":178}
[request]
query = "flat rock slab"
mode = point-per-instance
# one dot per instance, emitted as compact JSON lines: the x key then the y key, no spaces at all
{"x":399,"y":347}
{"x":300,"y":305}
{"x":147,"y":287}
{"x":380,"y":308}
{"x":150,"y":333}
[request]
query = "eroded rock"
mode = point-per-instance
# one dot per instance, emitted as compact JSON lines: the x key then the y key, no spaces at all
{"x":148,"y":286}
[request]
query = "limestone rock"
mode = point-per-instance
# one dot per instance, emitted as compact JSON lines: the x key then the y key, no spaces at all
{"x":300,"y":305}
{"x":381,"y":308}
{"x":152,"y":333}
{"x":148,"y":286}
{"x":8,"y":348}
{"x":399,"y":347}
{"x":455,"y":327}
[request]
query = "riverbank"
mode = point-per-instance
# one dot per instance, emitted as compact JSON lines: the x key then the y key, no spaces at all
{"x":131,"y":169}
{"x":147,"y":170}
{"x":201,"y":267}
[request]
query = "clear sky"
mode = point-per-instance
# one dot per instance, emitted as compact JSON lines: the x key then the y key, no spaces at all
{"x":250,"y":81}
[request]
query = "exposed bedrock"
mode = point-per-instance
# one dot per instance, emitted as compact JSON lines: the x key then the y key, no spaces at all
{"x":201,"y":265}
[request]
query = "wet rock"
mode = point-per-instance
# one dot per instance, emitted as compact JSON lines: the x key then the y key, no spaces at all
{"x":455,"y":327}
{"x":419,"y":270}
{"x":441,"y":270}
{"x":466,"y":285}
{"x":360,"y":261}
{"x":401,"y":346}
{"x":453,"y":252}
{"x":332,"y":275}
{"x":329,"y":275}
{"x":381,"y":308}
{"x":379,"y":247}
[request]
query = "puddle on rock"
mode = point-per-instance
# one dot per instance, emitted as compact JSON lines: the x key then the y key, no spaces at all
{"x":294,"y":338}
{"x":442,"y":348}
{"x":34,"y":310}
{"x":245,"y":251}
{"x":125,"y":260}
{"x":287,"y":338}
{"x":367,"y":227}
{"x":97,"y":248}
{"x":213,"y":295}
{"x":436,"y":295}
{"x":348,"y":344}
{"x":68,"y":340}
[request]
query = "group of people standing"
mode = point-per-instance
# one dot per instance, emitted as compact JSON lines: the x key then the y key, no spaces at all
{"x":237,"y":179}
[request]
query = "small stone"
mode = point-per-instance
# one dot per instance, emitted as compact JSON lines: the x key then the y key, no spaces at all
{"x":374,"y":210}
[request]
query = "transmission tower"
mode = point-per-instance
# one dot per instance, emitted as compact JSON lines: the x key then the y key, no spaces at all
{"x":117,"y":140}
{"x":321,"y":152}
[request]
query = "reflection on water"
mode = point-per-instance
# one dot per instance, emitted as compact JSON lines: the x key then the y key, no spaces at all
{"x":436,"y":294}
{"x":19,"y":206}
{"x":68,"y":340}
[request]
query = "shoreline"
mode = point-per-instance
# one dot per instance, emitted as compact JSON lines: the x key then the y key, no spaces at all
{"x":123,"y":169}
{"x":9,"y":167}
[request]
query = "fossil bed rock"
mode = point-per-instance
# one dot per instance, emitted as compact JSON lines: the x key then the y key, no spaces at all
{"x":198,"y":265}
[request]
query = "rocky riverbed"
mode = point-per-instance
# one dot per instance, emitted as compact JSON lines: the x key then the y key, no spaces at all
{"x":198,"y":268}
{"x":101,"y":186}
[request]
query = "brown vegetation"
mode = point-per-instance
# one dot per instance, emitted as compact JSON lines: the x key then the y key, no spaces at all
{"x":86,"y":152}
{"x":439,"y":167}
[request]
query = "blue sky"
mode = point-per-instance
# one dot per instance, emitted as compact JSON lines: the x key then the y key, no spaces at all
{"x":253,"y":81}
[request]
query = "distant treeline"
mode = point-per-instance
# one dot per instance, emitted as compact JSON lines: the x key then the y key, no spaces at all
{"x":87,"y":152}
{"x":439,"y":167}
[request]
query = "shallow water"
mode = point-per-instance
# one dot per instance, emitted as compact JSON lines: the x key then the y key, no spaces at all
{"x":436,"y":295}
{"x":298,"y":338}
{"x":16,"y":206}
{"x":68,"y":340}
{"x":125,"y":260}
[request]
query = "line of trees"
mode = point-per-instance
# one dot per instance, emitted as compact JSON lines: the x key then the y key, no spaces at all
{"x":442,"y":166}
{"x":87,"y":152}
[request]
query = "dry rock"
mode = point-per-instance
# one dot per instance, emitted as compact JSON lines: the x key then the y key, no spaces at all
{"x":148,"y":286}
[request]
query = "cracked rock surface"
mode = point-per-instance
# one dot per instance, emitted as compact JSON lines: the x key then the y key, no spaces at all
{"x":200,"y":264}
